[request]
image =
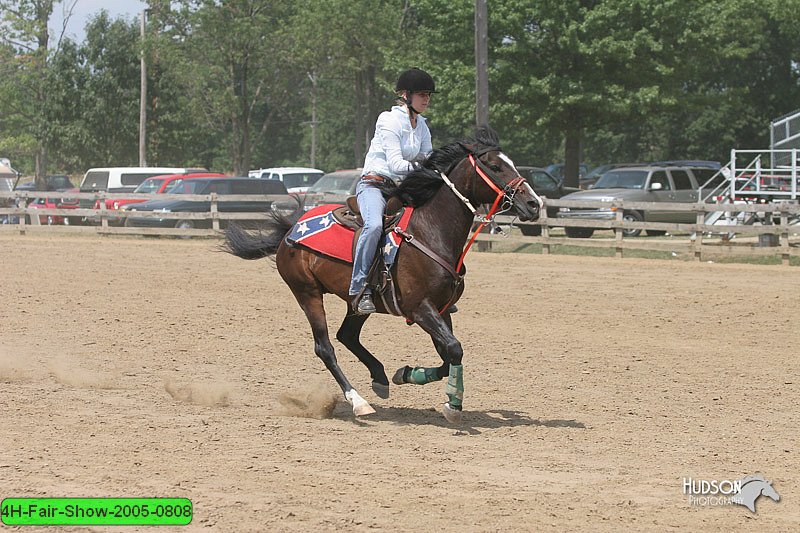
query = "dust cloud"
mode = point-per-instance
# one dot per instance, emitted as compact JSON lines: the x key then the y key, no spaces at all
{"x":207,"y":394}
{"x":315,"y":400}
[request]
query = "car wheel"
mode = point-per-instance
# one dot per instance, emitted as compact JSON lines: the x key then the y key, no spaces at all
{"x":531,"y":231}
{"x":655,"y":232}
{"x":579,"y":233}
{"x":632,"y":216}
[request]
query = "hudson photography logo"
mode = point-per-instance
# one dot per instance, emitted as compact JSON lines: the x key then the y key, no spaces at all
{"x":715,"y":493}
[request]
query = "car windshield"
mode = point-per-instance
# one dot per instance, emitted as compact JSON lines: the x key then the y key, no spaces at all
{"x":304,"y":179}
{"x":149,"y":186}
{"x":333,"y":184}
{"x":542,"y":180}
{"x":622,"y":179}
{"x":185,"y":187}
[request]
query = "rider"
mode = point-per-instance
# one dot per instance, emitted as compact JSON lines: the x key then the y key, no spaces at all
{"x":401,"y":139}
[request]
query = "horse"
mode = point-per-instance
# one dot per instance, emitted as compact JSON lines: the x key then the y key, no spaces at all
{"x":428,"y":270}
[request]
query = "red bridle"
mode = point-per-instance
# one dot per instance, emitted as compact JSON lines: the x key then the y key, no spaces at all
{"x":507,"y":194}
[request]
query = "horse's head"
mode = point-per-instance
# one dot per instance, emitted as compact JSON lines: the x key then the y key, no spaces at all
{"x":494,"y":180}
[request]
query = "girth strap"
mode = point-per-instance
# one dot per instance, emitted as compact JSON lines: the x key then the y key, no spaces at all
{"x":427,"y":251}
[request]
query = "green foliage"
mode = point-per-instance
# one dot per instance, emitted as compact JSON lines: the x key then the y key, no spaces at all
{"x":233,"y":84}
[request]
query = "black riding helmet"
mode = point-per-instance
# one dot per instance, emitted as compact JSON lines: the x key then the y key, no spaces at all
{"x":415,"y":80}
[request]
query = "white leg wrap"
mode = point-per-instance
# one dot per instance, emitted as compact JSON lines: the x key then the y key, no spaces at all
{"x":360,"y":405}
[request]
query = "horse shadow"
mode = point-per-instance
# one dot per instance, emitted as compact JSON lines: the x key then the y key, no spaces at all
{"x":472,"y":422}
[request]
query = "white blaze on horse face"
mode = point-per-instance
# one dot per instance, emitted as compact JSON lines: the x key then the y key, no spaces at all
{"x":528,"y":187}
{"x":508,"y":160}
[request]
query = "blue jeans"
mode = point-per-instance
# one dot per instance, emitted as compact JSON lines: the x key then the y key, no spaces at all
{"x":371,"y":203}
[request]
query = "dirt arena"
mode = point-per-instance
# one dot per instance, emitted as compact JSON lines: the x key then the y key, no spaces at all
{"x":134,"y":367}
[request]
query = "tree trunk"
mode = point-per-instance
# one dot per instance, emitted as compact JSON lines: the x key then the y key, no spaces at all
{"x":43,"y":11}
{"x":572,"y":156}
{"x":360,"y":119}
{"x":40,"y":167}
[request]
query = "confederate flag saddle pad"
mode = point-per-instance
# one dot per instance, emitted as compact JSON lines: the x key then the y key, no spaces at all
{"x":321,"y":230}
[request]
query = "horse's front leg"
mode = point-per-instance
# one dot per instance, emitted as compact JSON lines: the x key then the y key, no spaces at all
{"x":449,"y":348}
{"x":420,"y":375}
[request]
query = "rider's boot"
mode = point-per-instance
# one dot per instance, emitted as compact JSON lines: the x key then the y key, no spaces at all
{"x":365,"y":305}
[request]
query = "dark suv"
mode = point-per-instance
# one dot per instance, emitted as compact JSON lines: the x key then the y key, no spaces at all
{"x":221,"y":186}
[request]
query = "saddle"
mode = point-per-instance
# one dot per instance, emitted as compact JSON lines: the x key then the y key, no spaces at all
{"x":349,"y":215}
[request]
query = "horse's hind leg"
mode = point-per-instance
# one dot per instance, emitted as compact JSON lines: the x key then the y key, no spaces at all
{"x":315,"y":312}
{"x":348,"y":335}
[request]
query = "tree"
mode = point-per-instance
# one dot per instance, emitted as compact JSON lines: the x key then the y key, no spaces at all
{"x":230,"y":59}
{"x":347,"y":46}
{"x":24,"y":27}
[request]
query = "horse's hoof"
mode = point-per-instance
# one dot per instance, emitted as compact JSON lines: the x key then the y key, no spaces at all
{"x":360,"y":405}
{"x":363,"y":410}
{"x":381,"y":390}
{"x":452,"y":415}
{"x":399,"y":377}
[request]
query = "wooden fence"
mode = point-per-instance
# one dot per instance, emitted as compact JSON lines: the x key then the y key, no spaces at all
{"x":776,"y":237}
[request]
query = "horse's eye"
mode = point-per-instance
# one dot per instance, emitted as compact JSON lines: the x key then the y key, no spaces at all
{"x":495,"y":168}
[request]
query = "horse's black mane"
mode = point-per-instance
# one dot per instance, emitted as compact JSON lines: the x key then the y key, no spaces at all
{"x":420,"y":185}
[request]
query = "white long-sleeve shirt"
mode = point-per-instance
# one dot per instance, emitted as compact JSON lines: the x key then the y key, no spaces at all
{"x":396,"y":144}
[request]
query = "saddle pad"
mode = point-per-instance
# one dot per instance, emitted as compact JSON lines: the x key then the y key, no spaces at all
{"x":317,"y":230}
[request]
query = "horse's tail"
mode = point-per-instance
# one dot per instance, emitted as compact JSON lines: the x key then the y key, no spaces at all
{"x":264,"y":242}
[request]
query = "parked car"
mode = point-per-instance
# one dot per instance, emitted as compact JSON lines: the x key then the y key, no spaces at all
{"x":296,"y":179}
{"x":332,"y":188}
{"x":546,"y":185}
{"x":154,"y":185}
{"x":587,"y":181}
{"x":221,"y":186}
{"x":636,"y":184}
{"x":123,"y":179}
{"x":557,"y":170}
{"x":55,"y":203}
{"x":58,"y":182}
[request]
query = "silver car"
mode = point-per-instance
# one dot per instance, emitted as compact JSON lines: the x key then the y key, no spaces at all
{"x":636,"y":184}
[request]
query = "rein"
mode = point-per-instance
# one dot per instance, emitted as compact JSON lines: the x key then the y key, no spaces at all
{"x":506,"y":194}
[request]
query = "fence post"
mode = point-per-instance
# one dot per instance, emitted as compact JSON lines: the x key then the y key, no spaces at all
{"x":545,"y":233}
{"x":21,"y":218}
{"x":784,"y":238}
{"x":214,"y":212}
{"x":103,"y":213}
{"x":697,"y":241}
{"x":618,"y":234}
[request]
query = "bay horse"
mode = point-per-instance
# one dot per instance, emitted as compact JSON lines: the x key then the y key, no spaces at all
{"x":428,"y":268}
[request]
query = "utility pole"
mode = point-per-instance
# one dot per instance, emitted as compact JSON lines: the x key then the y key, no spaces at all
{"x":313,"y":78}
{"x":142,"y":97}
{"x":481,"y":63}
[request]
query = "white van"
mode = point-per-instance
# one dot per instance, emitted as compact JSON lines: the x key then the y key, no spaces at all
{"x":125,"y":179}
{"x":295,"y":179}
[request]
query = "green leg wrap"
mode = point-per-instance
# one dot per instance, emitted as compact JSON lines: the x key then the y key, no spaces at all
{"x":455,"y":386}
{"x":421,"y":376}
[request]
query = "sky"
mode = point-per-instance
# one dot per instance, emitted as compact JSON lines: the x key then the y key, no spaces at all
{"x":85,"y":10}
